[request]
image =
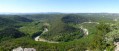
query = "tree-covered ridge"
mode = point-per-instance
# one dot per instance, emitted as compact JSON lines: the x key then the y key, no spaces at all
{"x":10,"y":33}
{"x":72,"y":18}
{"x":4,"y":21}
{"x":20,"y":19}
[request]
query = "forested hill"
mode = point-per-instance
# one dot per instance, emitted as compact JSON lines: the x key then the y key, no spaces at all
{"x":4,"y":21}
{"x":72,"y":18}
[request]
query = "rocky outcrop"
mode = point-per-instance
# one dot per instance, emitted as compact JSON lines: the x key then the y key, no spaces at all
{"x":18,"y":49}
{"x":29,"y":49}
{"x":24,"y":49}
{"x":117,"y":46}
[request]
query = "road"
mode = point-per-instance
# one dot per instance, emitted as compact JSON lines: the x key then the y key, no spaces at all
{"x":38,"y":38}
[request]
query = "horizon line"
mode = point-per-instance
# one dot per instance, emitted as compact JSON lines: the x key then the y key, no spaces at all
{"x":51,"y":12}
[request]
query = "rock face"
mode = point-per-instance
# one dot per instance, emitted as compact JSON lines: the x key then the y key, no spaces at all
{"x":18,"y":49}
{"x":29,"y":49}
{"x":24,"y":49}
{"x":117,"y":46}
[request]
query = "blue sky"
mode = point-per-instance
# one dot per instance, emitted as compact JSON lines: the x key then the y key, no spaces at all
{"x":65,"y":6}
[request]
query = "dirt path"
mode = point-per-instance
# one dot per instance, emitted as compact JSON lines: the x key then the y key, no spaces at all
{"x":44,"y":40}
{"x":91,"y":22}
{"x":85,"y":31}
{"x":38,"y":38}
